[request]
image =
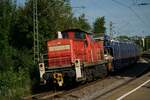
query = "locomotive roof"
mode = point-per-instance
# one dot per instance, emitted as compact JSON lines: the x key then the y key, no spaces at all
{"x":76,"y":30}
{"x":117,"y":41}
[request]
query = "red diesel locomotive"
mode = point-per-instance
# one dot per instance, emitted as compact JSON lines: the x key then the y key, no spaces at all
{"x":73,"y":56}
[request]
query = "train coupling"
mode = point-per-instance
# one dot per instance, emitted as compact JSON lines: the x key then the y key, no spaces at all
{"x":58,"y":79}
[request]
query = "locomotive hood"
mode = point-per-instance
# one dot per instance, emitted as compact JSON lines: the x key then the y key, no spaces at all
{"x":59,"y":52}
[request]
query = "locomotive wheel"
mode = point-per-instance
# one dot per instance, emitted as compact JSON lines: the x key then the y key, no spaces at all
{"x":89,"y":76}
{"x":96,"y":72}
{"x":104,"y":71}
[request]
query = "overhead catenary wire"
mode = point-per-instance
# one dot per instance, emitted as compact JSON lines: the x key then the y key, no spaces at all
{"x":126,"y":6}
{"x":109,"y":20}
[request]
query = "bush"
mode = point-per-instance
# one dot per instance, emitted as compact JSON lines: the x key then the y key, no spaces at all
{"x":15,"y":81}
{"x":14,"y":84}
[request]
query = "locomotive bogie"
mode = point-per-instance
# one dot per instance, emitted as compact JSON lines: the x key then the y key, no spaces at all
{"x":59,"y":76}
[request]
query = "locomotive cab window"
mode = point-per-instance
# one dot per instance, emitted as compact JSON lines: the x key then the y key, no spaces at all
{"x":105,"y":51}
{"x":108,"y":51}
{"x":79,"y":35}
{"x":65,"y":35}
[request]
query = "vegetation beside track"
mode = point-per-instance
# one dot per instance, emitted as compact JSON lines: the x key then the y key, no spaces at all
{"x":17,"y":71}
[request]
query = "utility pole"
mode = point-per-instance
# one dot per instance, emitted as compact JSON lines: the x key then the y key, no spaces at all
{"x":15,"y":2}
{"x":110,"y":26}
{"x":36,"y":32}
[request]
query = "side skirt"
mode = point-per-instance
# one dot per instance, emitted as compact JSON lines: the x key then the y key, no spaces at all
{"x":122,"y":63}
{"x":95,"y":72}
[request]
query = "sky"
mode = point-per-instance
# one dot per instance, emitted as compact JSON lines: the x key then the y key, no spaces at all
{"x":127,"y":16}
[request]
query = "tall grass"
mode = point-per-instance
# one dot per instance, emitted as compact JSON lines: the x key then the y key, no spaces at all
{"x":15,"y":81}
{"x":14,"y":84}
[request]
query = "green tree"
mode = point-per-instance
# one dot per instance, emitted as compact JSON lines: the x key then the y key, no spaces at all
{"x":5,"y":21}
{"x":14,"y":75}
{"x":83,"y":23}
{"x":99,"y":26}
{"x":123,"y":37}
{"x":147,"y":43}
{"x":53,"y":16}
{"x":16,"y":39}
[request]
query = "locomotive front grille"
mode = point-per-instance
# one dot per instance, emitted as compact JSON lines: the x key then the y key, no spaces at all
{"x":59,"y":55}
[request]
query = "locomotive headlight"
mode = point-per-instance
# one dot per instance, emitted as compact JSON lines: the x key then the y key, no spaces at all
{"x":60,"y":47}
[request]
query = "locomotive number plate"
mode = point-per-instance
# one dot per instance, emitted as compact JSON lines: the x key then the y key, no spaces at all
{"x":57,"y":48}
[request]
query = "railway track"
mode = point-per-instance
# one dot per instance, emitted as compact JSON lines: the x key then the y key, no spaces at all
{"x":98,"y":88}
{"x":58,"y":94}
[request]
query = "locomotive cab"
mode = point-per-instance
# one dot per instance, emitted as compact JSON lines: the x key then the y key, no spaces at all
{"x":73,"y":34}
